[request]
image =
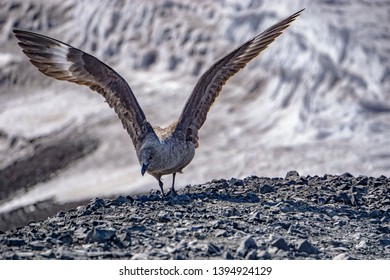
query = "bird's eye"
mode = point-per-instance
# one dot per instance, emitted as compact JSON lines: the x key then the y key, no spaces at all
{"x":150,"y":157}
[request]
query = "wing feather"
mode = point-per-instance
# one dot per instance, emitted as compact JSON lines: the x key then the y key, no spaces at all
{"x":64,"y":62}
{"x":211,"y":82}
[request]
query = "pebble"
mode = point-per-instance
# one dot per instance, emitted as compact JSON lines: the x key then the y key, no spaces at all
{"x":14,"y":242}
{"x":213,"y":249}
{"x":343,"y":256}
{"x":266,"y":189}
{"x":305,"y":246}
{"x":99,"y":234}
{"x":263,"y":255}
{"x":247,"y":244}
{"x":294,"y":217}
{"x":281,"y":244}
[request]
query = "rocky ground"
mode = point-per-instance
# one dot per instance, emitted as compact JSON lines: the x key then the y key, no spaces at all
{"x":296,"y":217}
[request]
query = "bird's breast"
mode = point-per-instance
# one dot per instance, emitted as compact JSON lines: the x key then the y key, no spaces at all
{"x":176,"y":154}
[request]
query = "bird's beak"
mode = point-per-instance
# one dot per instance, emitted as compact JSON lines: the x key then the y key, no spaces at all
{"x":144,"y":167}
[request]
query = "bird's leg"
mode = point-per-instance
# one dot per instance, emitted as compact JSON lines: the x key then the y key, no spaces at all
{"x":160,"y":183}
{"x":172,"y":191}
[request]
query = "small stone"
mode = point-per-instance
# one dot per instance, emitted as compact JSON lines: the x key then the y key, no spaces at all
{"x":37,"y":245}
{"x":255,"y":217}
{"x":384,"y":229}
{"x":252,"y":198}
{"x":266,"y":189}
{"x":343,"y":197}
{"x":359,"y":189}
{"x":48,"y":254}
{"x":231,"y":211}
{"x":384,"y":242}
{"x":221,"y":232}
{"x":363,"y":180}
{"x":343,"y":256}
{"x":247,"y":244}
{"x":66,"y":238}
{"x":178,"y":214}
{"x":236,"y":182}
{"x":164,"y":217}
{"x":362,"y":245}
{"x":196,"y":227}
{"x":80,"y":233}
{"x":305,"y":246}
{"x":182,"y":198}
{"x":281,"y":244}
{"x":346,"y":175}
{"x":263,"y":255}
{"x":125,"y":237}
{"x":98,"y":234}
{"x":140,"y":256}
{"x":213,"y":249}
{"x":285,"y":225}
{"x":96,"y":204}
{"x":14,"y":242}
{"x":86,"y":212}
{"x":292,"y":175}
{"x":25,"y":254}
{"x":228,"y":255}
{"x":120,"y":200}
{"x":180,"y":230}
{"x":252,"y":255}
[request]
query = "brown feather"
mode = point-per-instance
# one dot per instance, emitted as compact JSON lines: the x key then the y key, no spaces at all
{"x":64,"y":62}
{"x":211,"y":82}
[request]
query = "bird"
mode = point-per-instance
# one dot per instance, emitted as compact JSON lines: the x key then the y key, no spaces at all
{"x":160,"y":151}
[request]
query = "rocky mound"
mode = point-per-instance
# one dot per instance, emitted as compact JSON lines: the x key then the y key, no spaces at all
{"x":296,"y":217}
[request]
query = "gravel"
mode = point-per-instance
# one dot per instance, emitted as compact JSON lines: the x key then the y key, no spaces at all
{"x":296,"y":217}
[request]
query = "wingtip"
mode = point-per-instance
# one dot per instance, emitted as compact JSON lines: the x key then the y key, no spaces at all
{"x":17,"y":31}
{"x":299,"y":12}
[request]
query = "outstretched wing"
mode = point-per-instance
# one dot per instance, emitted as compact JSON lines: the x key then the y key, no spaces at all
{"x":210,"y":83}
{"x":64,"y":62}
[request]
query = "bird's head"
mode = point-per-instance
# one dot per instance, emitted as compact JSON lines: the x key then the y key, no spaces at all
{"x":147,"y":159}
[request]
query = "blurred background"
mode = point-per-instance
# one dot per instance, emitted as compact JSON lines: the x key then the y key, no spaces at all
{"x":316,"y":101}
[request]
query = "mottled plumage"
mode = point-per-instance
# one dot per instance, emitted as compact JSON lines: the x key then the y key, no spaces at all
{"x":160,"y":151}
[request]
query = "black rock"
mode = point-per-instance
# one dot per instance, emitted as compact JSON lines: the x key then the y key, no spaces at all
{"x":213,"y":249}
{"x":221,"y":233}
{"x":383,"y":229}
{"x":231,"y":211}
{"x":252,"y":255}
{"x":164,"y":217}
{"x":66,"y":237}
{"x":305,"y":246}
{"x":252,"y":198}
{"x":384,"y":242}
{"x":182,"y":198}
{"x":80,"y":233}
{"x":37,"y":245}
{"x":228,"y":255}
{"x":14,"y":242}
{"x":248,"y":243}
{"x":266,"y":189}
{"x":96,"y":204}
{"x":236,"y":182}
{"x":263,"y":255}
{"x":292,"y":175}
{"x":120,"y":200}
{"x":125,"y":237}
{"x":99,"y":234}
{"x":281,"y":244}
{"x":343,"y":256}
{"x":255,"y":217}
